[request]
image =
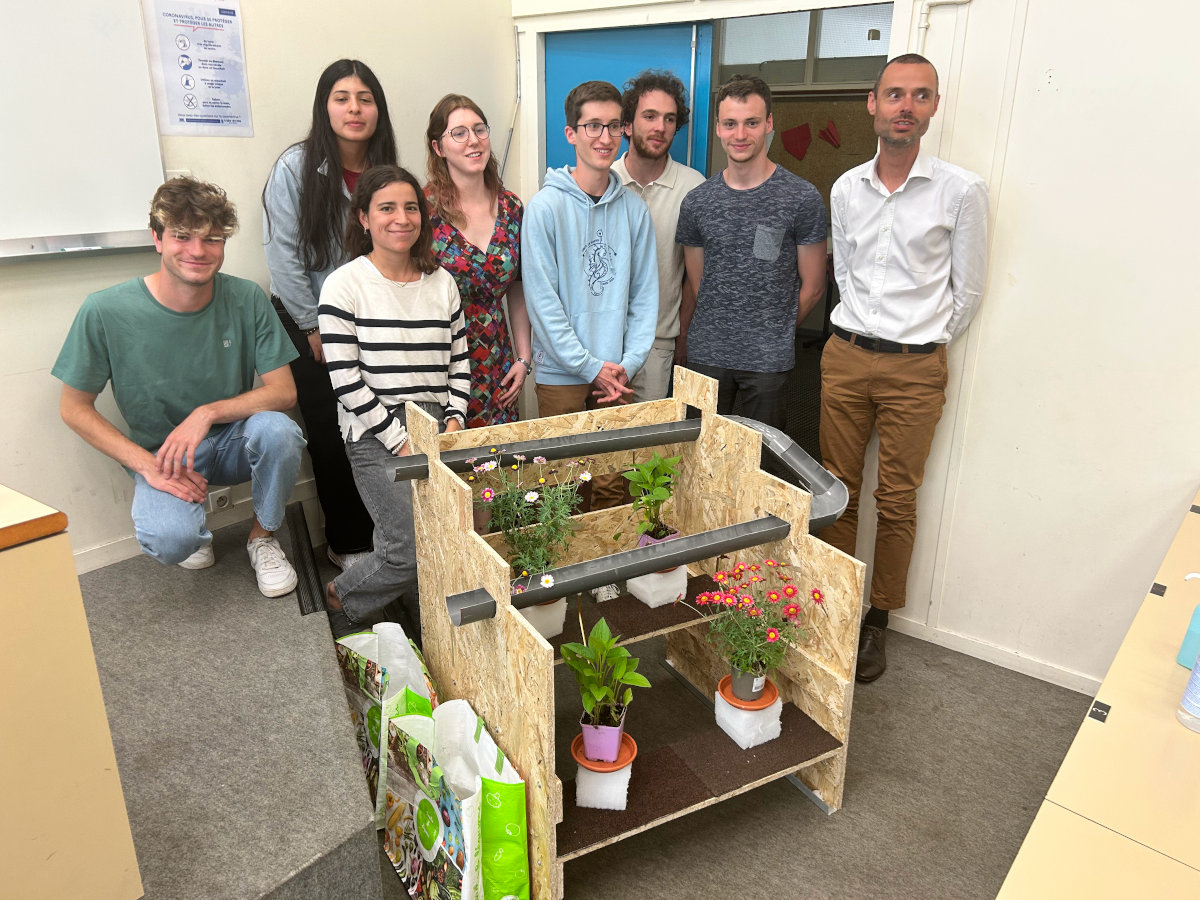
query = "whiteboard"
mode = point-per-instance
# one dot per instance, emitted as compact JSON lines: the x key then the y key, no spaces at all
{"x":79,"y":158}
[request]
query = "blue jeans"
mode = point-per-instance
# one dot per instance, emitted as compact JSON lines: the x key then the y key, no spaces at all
{"x":264,"y":449}
{"x":390,"y":571}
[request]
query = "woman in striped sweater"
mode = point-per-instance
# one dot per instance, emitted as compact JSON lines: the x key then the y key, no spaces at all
{"x":392,"y":331}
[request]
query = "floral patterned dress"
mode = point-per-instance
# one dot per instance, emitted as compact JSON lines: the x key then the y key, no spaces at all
{"x":483,"y":277}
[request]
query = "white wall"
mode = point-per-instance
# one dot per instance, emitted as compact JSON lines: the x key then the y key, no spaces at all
{"x":419,"y":53}
{"x":1077,"y":459}
{"x":1066,"y":456}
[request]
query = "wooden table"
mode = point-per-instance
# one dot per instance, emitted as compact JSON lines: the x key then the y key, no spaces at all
{"x":63,"y":827}
{"x":1122,"y":817}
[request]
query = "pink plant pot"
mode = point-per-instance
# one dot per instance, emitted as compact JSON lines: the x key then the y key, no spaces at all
{"x":602,"y":743}
{"x":645,"y":540}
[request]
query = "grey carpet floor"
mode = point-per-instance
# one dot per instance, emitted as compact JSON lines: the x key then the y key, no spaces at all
{"x":949,"y":759}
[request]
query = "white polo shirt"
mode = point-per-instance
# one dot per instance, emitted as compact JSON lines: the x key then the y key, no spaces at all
{"x":663,"y":197}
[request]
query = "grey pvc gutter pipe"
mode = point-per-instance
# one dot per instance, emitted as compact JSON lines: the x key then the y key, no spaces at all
{"x":829,"y":494}
{"x":568,"y":446}
{"x":477,"y":605}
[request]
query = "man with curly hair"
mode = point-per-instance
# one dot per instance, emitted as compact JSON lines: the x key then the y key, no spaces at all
{"x":653,"y":109}
{"x":181,"y":348}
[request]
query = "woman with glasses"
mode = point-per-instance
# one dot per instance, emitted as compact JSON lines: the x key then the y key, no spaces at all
{"x":307,"y":204}
{"x":477,"y":239}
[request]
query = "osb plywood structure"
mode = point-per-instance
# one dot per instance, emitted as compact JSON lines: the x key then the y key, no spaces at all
{"x":504,"y":668}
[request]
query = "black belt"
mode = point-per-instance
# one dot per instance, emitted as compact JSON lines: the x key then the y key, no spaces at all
{"x":879,"y":345}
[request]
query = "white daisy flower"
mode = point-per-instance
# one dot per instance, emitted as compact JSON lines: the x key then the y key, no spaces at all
{"x":585,"y":476}
{"x":547,"y":580}
{"x":531,"y":497}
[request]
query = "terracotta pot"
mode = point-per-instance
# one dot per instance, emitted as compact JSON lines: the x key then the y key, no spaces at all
{"x":602,"y":743}
{"x":768,"y":695}
{"x":626,"y":755}
{"x":645,"y":540}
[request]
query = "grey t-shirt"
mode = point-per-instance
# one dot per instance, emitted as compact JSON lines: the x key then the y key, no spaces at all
{"x":750,"y":289}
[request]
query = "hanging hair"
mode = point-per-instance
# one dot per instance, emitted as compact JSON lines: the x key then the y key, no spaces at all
{"x":322,"y":203}
{"x":193,"y":207}
{"x":357,"y":241}
{"x":443,"y":192}
{"x":655,"y":80}
{"x":743,"y":87}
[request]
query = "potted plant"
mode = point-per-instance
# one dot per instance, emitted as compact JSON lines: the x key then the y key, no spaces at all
{"x":531,"y":504}
{"x":753,"y":614}
{"x":606,"y":675}
{"x":651,"y":484}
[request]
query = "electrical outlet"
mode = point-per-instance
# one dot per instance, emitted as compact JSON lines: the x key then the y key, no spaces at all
{"x":220,"y":499}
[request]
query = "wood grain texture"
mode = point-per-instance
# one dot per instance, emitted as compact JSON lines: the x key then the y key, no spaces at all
{"x":504,"y":668}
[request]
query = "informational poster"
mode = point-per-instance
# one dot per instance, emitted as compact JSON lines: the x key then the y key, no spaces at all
{"x":199,"y":67}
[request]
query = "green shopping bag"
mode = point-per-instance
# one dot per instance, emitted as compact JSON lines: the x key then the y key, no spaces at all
{"x":455,"y":824}
{"x":383,"y":676}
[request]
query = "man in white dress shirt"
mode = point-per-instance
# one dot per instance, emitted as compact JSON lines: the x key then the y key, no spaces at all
{"x":910,"y":259}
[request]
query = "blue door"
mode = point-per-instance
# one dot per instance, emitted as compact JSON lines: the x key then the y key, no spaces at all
{"x":617,"y":55}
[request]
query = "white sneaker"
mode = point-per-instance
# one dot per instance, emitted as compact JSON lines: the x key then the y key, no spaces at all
{"x":275,"y":574}
{"x":347,"y":561}
{"x":201,"y":559}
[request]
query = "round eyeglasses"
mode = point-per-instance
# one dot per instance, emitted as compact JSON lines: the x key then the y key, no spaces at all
{"x":462,"y":132}
{"x":594,"y":129}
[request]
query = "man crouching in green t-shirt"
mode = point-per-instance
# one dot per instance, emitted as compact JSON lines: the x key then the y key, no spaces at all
{"x":181,"y":348}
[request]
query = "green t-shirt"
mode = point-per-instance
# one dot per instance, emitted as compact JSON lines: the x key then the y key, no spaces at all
{"x":163,"y":364}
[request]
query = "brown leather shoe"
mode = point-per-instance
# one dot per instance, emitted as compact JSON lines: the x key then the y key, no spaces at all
{"x":872,"y":661}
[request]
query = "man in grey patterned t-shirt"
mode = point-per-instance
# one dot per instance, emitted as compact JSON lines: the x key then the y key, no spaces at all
{"x":737,"y":230}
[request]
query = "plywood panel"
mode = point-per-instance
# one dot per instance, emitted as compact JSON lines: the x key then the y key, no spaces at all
{"x":504,"y":668}
{"x":501,"y":666}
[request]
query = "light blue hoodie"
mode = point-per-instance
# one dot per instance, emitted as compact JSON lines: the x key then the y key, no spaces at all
{"x":591,"y":279}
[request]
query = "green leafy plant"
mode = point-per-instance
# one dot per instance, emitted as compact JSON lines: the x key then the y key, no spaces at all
{"x":531,"y":504}
{"x":651,"y":483}
{"x":606,"y":674}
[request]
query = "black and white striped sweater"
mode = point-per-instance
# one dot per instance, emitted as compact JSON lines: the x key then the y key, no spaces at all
{"x":387,"y":342}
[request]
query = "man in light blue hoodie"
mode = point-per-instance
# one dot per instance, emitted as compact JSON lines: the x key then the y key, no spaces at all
{"x":590,"y":272}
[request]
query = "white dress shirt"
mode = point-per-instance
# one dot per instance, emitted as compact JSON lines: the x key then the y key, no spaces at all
{"x":910,"y":265}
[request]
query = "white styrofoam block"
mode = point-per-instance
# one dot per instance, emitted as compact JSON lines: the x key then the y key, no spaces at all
{"x":548,"y":620}
{"x":602,"y":790}
{"x":749,"y":727}
{"x":659,"y":588}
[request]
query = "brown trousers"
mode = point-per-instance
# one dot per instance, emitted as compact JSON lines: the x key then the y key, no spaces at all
{"x":603,"y":491}
{"x":900,"y":396}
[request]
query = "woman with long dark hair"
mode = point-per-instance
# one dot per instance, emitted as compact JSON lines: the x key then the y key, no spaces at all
{"x":477,"y":239}
{"x":392,"y":329}
{"x":307,"y":202}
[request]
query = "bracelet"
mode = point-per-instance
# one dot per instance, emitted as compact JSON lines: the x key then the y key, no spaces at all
{"x":311,"y":331}
{"x":527,"y":364}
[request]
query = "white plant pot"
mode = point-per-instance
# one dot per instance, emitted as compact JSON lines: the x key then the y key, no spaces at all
{"x":548,"y":618}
